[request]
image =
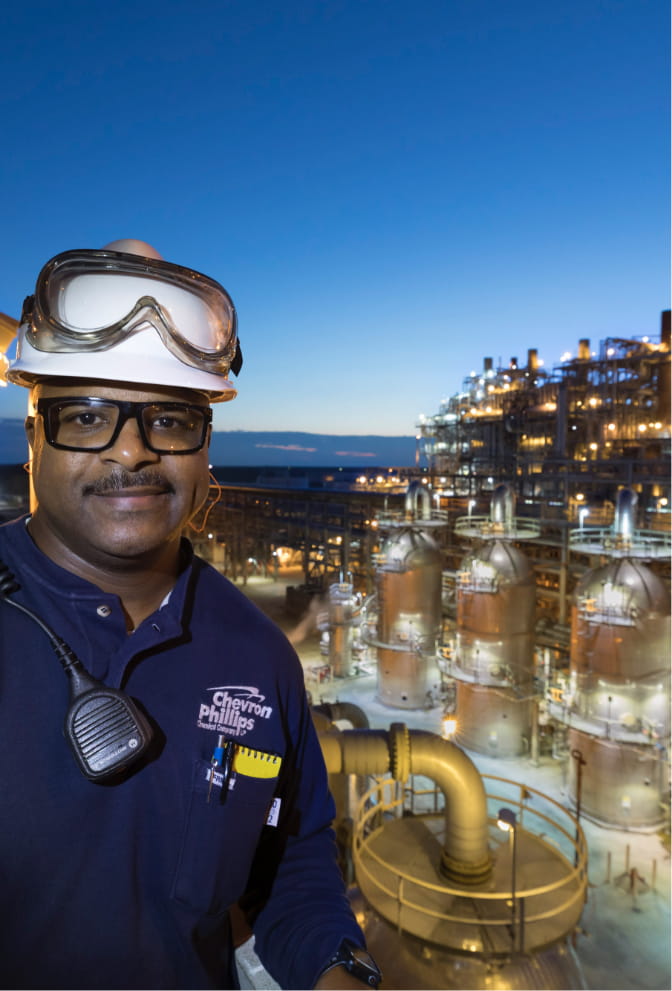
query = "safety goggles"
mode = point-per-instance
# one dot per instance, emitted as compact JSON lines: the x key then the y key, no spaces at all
{"x":94,"y":300}
{"x":81,"y":423}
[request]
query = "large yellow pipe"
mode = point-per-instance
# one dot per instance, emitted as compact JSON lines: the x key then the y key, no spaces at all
{"x":401,"y":752}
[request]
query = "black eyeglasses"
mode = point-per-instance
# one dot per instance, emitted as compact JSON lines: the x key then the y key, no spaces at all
{"x":84,"y":424}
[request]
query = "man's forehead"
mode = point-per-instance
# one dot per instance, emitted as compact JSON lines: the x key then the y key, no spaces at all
{"x":135,"y":392}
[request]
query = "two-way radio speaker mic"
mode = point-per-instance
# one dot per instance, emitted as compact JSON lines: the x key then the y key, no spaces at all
{"x":104,"y":727}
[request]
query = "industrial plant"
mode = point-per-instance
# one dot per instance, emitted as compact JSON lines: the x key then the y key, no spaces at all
{"x":512,"y":592}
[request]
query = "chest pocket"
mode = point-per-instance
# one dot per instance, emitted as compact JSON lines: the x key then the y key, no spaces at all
{"x":220,"y":839}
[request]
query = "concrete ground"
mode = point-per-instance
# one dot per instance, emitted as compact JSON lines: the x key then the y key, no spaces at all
{"x":623,"y":941}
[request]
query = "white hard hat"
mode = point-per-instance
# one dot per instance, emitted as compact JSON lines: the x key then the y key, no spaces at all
{"x":123,"y":314}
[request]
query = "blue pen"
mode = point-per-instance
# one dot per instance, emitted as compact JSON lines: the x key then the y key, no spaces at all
{"x":227,"y":765}
{"x":216,"y":760}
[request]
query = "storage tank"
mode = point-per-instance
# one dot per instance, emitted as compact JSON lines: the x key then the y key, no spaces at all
{"x":616,"y":706}
{"x":408,"y":602}
{"x":493,"y":657}
{"x":425,"y":965}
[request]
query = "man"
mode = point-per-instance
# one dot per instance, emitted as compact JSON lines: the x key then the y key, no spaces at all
{"x":188,"y":778}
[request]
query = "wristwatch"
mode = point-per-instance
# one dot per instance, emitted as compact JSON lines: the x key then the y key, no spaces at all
{"x":357,"y":961}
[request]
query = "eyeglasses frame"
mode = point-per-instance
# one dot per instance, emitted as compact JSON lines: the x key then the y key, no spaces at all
{"x":127,"y":410}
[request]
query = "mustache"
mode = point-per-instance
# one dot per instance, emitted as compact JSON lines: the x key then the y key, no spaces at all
{"x":120,"y":480}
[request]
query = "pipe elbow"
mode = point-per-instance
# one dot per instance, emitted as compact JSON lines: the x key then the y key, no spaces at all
{"x":466,"y":858}
{"x":343,"y":710}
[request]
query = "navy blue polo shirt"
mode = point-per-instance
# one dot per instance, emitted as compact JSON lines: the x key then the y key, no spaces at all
{"x":127,"y":885}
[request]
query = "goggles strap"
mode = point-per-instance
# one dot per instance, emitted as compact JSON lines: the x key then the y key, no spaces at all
{"x":237,"y":362}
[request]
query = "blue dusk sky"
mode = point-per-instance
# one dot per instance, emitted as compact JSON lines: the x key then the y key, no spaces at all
{"x":391,"y":190}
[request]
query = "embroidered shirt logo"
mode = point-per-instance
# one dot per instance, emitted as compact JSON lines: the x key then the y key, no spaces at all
{"x":233,"y":709}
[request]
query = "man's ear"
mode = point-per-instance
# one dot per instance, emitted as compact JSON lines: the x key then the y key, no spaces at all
{"x":29,"y":427}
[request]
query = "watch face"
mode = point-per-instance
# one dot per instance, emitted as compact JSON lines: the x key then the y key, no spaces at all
{"x":364,"y":958}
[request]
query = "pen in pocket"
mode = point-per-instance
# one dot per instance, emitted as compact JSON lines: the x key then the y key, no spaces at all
{"x":222,"y":757}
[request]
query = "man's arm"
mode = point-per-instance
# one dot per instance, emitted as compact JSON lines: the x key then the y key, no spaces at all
{"x":299,"y":910}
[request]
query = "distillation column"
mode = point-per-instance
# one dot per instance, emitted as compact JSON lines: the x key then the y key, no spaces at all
{"x":493,"y":659}
{"x":340,"y":627}
{"x":617,"y":704}
{"x":408,"y":603}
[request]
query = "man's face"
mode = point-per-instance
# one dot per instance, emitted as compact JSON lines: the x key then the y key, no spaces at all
{"x":112,"y":508}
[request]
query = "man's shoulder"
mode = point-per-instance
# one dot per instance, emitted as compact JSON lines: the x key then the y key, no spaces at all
{"x":214,"y":588}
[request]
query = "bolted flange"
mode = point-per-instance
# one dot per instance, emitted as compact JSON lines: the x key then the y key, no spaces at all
{"x":399,"y":742}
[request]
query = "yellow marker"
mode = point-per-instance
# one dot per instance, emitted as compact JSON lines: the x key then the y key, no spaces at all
{"x":256,"y":763}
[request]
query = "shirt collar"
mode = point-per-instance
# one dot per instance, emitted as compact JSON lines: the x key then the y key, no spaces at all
{"x":39,"y":570}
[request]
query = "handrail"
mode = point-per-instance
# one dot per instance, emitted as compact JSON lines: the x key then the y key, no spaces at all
{"x":520,"y":528}
{"x":376,"y":873}
{"x":641,"y":544}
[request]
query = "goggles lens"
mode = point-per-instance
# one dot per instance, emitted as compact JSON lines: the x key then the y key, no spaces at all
{"x":89,"y":303}
{"x":85,"y":424}
{"x":93,"y":300}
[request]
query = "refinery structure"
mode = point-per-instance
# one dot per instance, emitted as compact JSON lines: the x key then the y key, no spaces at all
{"x":597,"y":421}
{"x":515,"y":583}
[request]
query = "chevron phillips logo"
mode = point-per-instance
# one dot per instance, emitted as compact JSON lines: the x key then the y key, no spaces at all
{"x":233,"y":709}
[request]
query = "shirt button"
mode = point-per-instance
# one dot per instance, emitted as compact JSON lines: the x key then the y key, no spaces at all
{"x":103,"y":611}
